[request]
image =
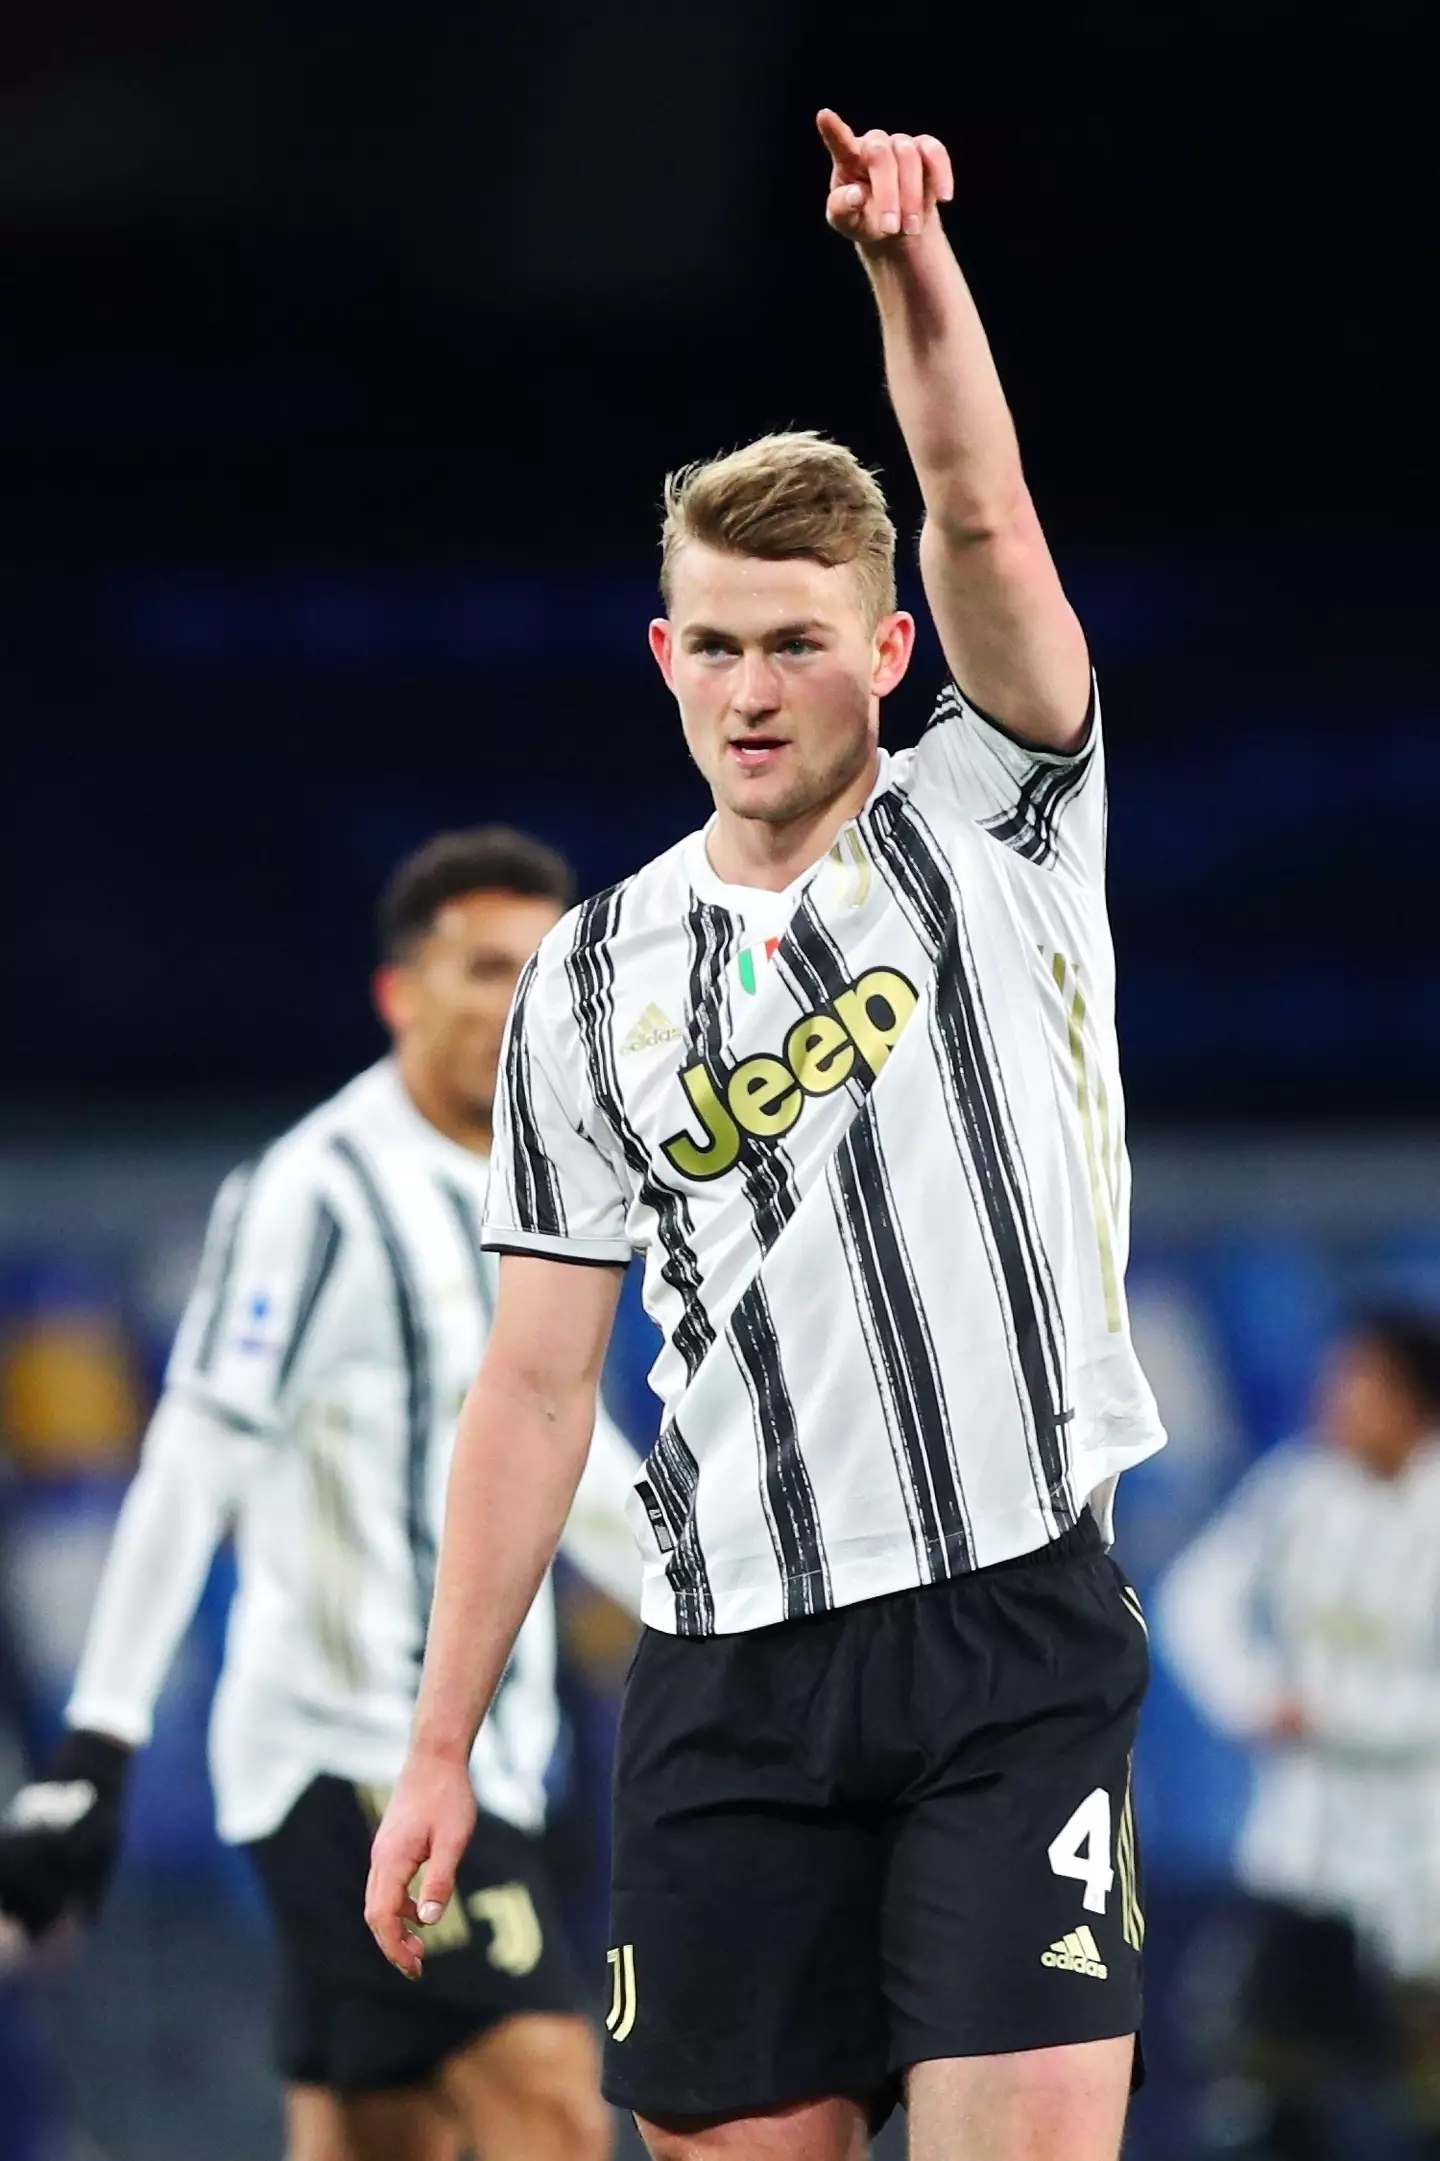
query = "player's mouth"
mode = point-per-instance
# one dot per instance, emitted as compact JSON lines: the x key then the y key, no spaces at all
{"x":754,"y":753}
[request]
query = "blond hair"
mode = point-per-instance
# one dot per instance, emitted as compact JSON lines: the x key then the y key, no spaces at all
{"x":781,"y":497}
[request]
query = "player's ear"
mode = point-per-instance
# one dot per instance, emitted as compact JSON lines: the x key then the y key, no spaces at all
{"x":662,"y":645}
{"x":893,"y":647}
{"x":391,"y":989}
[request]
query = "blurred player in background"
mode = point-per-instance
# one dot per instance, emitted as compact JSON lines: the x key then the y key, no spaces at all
{"x":342,"y":1305}
{"x":843,"y":1065}
{"x":1306,"y":1622}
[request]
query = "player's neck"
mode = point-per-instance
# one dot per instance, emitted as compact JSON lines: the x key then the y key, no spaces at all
{"x":467,"y":1128}
{"x":1391,"y":1464}
{"x":752,"y":851}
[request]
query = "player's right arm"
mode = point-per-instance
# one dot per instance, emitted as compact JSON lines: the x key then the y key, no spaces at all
{"x":556,"y":1214}
{"x":597,"y":1538}
{"x":519,"y":1453}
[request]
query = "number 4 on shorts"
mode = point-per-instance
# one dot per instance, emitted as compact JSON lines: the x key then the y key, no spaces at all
{"x":1082,"y":1849}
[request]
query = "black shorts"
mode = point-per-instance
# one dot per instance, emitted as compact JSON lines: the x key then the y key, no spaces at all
{"x":896,"y":1832}
{"x":346,"y":2019}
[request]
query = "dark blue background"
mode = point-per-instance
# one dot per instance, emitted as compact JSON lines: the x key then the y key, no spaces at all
{"x":342,"y":354}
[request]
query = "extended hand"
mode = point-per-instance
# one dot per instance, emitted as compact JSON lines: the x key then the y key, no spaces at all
{"x":882,"y":186}
{"x":60,"y":1835}
{"x":427,"y":1826}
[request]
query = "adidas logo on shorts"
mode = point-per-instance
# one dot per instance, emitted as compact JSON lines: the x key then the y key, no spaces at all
{"x":1077,"y":1953}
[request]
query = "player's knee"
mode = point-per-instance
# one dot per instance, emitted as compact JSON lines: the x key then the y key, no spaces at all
{"x":533,"y":2094}
{"x":567,"y":2122}
{"x":828,"y":2131}
{"x":663,"y":2145}
{"x":590,"y":2127}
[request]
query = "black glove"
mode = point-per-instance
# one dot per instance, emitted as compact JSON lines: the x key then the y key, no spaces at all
{"x":60,"y":1834}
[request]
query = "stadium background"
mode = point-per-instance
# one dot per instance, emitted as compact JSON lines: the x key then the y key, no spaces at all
{"x":341,"y":355}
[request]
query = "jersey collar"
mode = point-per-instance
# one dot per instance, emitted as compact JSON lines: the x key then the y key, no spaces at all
{"x":419,"y":1128}
{"x":707,"y":884}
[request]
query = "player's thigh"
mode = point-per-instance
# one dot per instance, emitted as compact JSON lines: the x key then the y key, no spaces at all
{"x":406,"y":2124}
{"x":1048,"y":2104}
{"x":1012,"y":1912}
{"x":529,"y":2090}
{"x":745,"y":1903}
{"x":831,"y":2130}
{"x":751,"y":1981}
{"x":315,"y":2125}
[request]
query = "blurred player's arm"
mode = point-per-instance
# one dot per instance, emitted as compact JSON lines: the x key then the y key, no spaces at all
{"x":597,"y":1537}
{"x":60,"y":1837}
{"x":1379,"y":1715}
{"x":1010,"y":636}
{"x":1371,"y":1707}
{"x":520,"y":1450}
{"x":242,"y":1333}
{"x":1209,"y":1614}
{"x":181,"y":1504}
{"x":237,"y":1351}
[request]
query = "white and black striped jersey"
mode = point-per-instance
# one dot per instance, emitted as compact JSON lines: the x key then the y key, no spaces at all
{"x":340,"y":1315}
{"x":1317,"y":1587}
{"x":868,"y":1135}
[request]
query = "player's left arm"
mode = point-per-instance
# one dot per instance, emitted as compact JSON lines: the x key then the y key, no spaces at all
{"x":1384,"y":1709}
{"x":1391,"y":1716}
{"x":556,"y":1213}
{"x":1012,"y":639}
{"x":1209,"y":1604}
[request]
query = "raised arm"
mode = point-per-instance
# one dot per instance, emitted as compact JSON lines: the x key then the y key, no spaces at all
{"x":519,"y":1453}
{"x":1011,"y":638}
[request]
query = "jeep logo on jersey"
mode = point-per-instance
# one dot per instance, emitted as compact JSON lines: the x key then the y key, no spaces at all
{"x":764,"y":1096}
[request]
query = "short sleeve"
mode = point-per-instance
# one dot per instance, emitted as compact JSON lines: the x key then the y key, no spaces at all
{"x":553,"y":1188}
{"x":1046,"y":806}
{"x":270,"y":1253}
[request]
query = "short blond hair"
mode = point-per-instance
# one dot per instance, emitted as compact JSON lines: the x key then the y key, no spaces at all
{"x":781,"y":497}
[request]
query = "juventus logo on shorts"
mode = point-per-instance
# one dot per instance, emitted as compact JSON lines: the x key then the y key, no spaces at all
{"x":515,"y":1938}
{"x":621,"y":2015}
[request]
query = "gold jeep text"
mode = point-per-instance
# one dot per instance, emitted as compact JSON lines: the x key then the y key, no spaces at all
{"x":764,"y":1096}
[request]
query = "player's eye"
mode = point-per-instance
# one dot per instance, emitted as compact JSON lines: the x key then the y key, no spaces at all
{"x":712,"y":649}
{"x":797,"y":647}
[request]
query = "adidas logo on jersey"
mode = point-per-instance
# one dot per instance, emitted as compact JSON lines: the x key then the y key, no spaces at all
{"x":651,"y":1030}
{"x":1077,"y":1953}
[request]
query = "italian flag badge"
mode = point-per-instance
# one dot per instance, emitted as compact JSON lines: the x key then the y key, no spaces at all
{"x":751,"y":959}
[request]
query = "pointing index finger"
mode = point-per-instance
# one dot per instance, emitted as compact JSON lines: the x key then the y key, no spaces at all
{"x":839,"y":140}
